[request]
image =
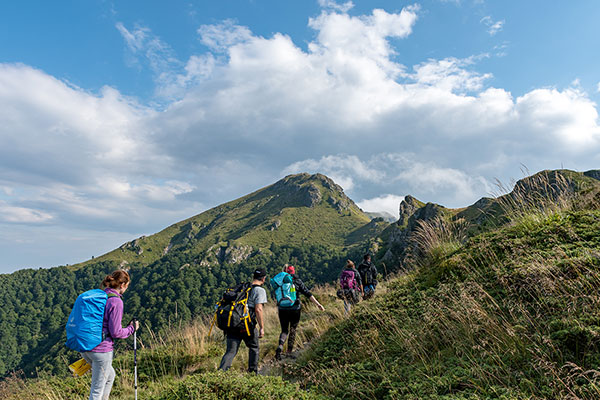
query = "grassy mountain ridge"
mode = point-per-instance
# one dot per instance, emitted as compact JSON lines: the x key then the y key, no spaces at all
{"x":545,"y":189}
{"x":298,"y":209}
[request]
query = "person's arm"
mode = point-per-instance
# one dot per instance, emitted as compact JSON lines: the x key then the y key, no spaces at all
{"x":359,"y":280}
{"x":301,"y":287}
{"x":375,"y":275}
{"x":312,"y":298}
{"x":258,"y":309}
{"x":115,"y":316}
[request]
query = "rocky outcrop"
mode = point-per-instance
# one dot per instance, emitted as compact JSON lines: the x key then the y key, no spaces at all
{"x":232,"y":254}
{"x":134,"y":246}
{"x":236,"y":254}
{"x":399,"y":245}
{"x":340,"y":205}
{"x":311,"y":195}
{"x":275,"y":225}
{"x":408,"y":206}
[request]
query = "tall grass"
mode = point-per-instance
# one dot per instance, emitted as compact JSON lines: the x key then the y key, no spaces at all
{"x":513,"y":313}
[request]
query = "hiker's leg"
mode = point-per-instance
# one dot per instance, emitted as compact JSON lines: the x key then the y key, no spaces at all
{"x":284,"y":321}
{"x":252,"y":344}
{"x":294,"y":320}
{"x":109,"y":382}
{"x":346,"y":306}
{"x":233,"y":345}
{"x":101,"y":373}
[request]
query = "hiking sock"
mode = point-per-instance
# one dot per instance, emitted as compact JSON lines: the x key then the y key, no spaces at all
{"x":282,"y":338}
{"x":291,"y":340}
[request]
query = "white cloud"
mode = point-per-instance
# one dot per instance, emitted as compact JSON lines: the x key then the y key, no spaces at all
{"x":344,"y":7}
{"x":22,"y":215}
{"x":569,"y":117}
{"x":388,"y":203}
{"x":493,"y":26}
{"x":450,"y":75}
{"x":223,"y":36}
{"x":431,"y":178}
{"x":252,"y":108}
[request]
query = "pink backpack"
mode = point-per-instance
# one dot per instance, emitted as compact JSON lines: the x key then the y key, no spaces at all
{"x":348,"y":280}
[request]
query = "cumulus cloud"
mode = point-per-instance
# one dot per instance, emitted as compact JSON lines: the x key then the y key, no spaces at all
{"x":251,"y":109}
{"x":341,"y":168}
{"x":450,"y":75}
{"x":388,"y":203}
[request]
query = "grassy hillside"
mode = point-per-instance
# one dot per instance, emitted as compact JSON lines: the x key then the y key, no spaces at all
{"x":511,"y":314}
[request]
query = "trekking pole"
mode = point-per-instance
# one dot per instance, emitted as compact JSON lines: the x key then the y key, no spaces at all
{"x":135,"y":357}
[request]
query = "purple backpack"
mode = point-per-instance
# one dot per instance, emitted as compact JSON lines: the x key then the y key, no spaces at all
{"x":348,"y":280}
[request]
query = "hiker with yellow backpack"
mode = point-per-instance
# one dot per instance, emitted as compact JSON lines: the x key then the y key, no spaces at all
{"x":286,"y":285}
{"x":239,"y":314}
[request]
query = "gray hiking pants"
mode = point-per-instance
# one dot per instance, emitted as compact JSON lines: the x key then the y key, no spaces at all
{"x":233,"y":345}
{"x":103,"y":374}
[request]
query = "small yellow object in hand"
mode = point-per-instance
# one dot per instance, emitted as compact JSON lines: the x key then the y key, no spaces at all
{"x":80,"y":367}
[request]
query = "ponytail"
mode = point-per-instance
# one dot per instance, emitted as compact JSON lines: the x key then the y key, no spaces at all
{"x":116,"y":279}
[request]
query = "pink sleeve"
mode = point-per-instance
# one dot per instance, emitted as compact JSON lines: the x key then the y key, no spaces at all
{"x":115,"y":315}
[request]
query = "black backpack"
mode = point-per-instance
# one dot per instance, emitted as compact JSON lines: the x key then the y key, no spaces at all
{"x":232,"y":313}
{"x":367,"y":271}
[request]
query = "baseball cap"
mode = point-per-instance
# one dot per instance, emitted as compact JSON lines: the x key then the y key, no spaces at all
{"x":259,"y":273}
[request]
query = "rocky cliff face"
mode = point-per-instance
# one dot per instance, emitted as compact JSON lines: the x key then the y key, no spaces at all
{"x":399,"y":244}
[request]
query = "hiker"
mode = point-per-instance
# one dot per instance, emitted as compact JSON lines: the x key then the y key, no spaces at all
{"x":368,"y":274}
{"x":289,"y":306}
{"x":350,"y":286}
{"x":256,"y":298}
{"x":101,"y":356}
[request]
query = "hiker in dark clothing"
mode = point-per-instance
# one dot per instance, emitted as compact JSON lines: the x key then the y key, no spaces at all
{"x":256,"y":299}
{"x":368,"y":274}
{"x":351,"y":286}
{"x":289,"y":317}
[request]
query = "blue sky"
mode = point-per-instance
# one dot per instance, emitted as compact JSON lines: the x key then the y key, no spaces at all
{"x":120,"y":118}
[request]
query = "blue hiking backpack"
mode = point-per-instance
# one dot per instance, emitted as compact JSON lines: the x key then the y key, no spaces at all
{"x":285,"y":291}
{"x":84,"y":327}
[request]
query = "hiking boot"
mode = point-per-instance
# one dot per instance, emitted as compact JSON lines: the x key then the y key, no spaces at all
{"x":278,"y":354}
